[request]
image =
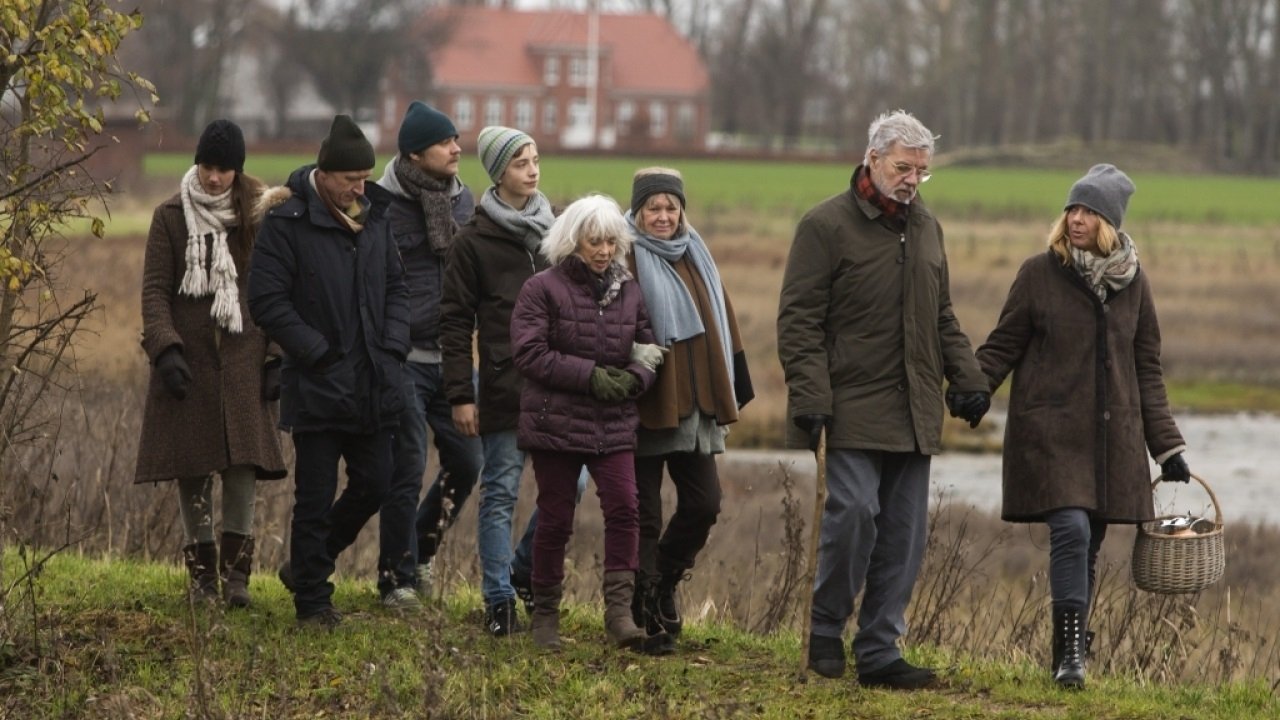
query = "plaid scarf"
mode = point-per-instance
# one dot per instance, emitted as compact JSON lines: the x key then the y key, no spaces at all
{"x":893,"y":213}
{"x":1110,"y":274}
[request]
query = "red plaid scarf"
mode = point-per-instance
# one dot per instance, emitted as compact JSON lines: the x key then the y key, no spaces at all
{"x":894,"y":213}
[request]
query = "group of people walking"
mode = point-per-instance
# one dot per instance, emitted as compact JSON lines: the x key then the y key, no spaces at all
{"x":365,"y":318}
{"x":369,"y":304}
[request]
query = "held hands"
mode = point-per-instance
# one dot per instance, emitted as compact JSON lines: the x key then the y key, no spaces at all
{"x":968,"y":406}
{"x":1175,"y":469}
{"x":814,"y":425}
{"x":648,"y":355}
{"x":613,"y":385}
{"x":174,"y":371}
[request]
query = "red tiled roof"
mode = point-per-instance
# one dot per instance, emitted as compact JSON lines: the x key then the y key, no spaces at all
{"x":493,"y":47}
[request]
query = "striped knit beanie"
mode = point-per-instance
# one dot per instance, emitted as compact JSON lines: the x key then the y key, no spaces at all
{"x":496,"y":146}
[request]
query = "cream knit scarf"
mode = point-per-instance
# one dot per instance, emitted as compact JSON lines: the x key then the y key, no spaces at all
{"x":210,"y":215}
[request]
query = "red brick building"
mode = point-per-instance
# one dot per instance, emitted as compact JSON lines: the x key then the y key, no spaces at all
{"x":532,"y":70}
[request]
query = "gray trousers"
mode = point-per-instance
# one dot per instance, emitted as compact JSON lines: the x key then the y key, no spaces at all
{"x":874,"y":528}
{"x":1074,"y":540}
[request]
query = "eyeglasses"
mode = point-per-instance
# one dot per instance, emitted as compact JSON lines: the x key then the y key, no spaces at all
{"x":903,"y":169}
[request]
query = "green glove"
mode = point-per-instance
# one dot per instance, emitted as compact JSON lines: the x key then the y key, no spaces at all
{"x":628,"y":381}
{"x":607,"y":387}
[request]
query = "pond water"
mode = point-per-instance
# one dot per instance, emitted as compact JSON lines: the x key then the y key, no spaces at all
{"x":1237,"y":455}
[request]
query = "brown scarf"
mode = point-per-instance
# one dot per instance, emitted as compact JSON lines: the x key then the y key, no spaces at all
{"x":436,"y":198}
{"x":352,"y":217}
{"x":894,"y":213}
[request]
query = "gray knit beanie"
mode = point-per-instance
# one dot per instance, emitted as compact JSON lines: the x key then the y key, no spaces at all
{"x":345,"y":149}
{"x":1104,"y":190}
{"x":496,"y":145}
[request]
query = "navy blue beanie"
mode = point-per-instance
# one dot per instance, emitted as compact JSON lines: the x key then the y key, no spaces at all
{"x":423,"y":126}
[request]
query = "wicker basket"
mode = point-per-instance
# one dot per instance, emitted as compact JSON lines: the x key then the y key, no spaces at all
{"x":1173,"y":564}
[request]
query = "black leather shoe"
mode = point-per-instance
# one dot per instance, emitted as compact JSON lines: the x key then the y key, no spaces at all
{"x":826,"y":655}
{"x":898,"y":675}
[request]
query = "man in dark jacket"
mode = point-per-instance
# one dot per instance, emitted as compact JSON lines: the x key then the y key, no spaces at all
{"x":866,"y":335}
{"x":428,"y":204}
{"x":327,"y":285}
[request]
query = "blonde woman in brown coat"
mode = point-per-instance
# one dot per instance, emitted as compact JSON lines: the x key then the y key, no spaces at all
{"x":1080,"y":335}
{"x":210,"y":404}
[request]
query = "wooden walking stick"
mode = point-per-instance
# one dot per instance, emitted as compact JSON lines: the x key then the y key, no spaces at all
{"x":819,"y":502}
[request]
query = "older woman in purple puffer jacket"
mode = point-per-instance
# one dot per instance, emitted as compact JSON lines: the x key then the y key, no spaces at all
{"x":580,"y":336}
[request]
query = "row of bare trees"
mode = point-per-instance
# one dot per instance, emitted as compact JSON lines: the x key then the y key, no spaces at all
{"x":1199,"y":75}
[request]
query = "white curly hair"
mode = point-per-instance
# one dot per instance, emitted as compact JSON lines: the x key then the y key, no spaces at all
{"x":590,"y":216}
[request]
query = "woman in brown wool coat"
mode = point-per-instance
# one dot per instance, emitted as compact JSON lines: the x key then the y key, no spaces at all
{"x":1080,"y":335}
{"x":210,"y":404}
{"x":700,"y":387}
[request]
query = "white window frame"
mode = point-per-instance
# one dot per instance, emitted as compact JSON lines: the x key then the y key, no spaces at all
{"x":463,"y":112}
{"x":524,"y":113}
{"x":493,"y":110}
{"x":657,"y":119}
{"x":550,"y":113}
{"x":551,"y":71}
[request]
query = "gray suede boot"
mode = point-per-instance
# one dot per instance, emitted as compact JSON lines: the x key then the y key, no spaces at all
{"x":619,"y":587}
{"x":545,"y":624}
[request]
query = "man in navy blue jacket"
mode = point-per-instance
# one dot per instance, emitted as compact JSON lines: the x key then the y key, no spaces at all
{"x":327,"y":285}
{"x":428,"y":204}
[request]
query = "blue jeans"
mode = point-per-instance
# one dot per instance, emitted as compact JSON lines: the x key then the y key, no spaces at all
{"x":460,"y":457}
{"x":499,"y":488}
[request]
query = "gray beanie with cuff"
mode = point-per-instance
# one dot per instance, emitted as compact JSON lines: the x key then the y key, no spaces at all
{"x":1105,"y":189}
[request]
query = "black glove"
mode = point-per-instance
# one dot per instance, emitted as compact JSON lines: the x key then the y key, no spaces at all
{"x":607,"y":387}
{"x":968,"y":406}
{"x":1175,"y":469}
{"x":814,"y":425}
{"x":174,"y":371}
{"x":327,"y":360}
{"x":271,"y":380}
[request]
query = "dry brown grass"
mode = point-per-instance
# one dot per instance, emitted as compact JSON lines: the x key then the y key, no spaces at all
{"x":983,"y":591}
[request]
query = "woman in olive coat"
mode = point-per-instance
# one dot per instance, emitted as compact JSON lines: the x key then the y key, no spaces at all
{"x":210,"y":404}
{"x":1080,"y":335}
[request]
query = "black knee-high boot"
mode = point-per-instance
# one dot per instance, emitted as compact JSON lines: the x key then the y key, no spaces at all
{"x":1068,"y":647}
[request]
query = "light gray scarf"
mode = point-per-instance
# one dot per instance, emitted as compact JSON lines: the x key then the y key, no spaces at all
{"x":211,"y":215}
{"x":1113,"y":272}
{"x":530,"y":224}
{"x":672,"y":310}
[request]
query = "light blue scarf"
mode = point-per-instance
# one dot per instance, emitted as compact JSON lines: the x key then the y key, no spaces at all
{"x":672,"y":310}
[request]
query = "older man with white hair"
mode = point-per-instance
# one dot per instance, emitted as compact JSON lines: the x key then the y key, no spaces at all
{"x":866,"y":335}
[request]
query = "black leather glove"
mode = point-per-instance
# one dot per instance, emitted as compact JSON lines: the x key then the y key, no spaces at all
{"x":607,"y":387}
{"x":174,"y":371}
{"x":271,"y":380}
{"x":814,"y":425}
{"x":974,"y":407}
{"x":327,"y":360}
{"x":968,"y":406}
{"x":1175,"y":469}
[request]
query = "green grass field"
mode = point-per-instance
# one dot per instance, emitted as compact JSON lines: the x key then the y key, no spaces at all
{"x":114,"y":640}
{"x":791,"y":188}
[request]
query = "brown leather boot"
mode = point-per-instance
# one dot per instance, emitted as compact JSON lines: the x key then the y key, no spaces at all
{"x":202,"y":565}
{"x":237,"y":562}
{"x":545,"y":623}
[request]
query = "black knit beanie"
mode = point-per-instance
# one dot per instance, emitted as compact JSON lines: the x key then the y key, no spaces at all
{"x":654,"y":184}
{"x":345,"y":149}
{"x":221,"y":145}
{"x":1104,"y":190}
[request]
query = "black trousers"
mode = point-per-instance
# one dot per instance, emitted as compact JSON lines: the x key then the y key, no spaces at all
{"x":316,"y":517}
{"x":697,"y":505}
